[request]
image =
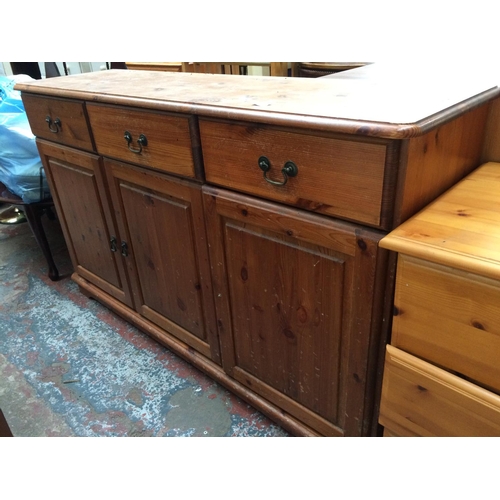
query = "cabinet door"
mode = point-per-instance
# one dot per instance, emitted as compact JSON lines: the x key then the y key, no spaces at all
{"x":295,"y":297}
{"x":79,"y":192}
{"x":162,"y":220}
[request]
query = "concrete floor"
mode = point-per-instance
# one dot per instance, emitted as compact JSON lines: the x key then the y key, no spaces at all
{"x":70,"y":367}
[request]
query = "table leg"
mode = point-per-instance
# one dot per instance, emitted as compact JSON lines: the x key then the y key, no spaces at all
{"x":33,"y":214}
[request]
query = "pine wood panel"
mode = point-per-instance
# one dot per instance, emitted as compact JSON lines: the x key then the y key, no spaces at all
{"x":278,"y":315}
{"x":287,"y":404}
{"x":377,"y":100}
{"x":234,"y":68}
{"x":294,"y":309}
{"x":335,"y":177}
{"x":162,"y":219}
{"x":73,"y":129}
{"x":491,"y":147}
{"x":450,"y":318}
{"x":447,"y":313}
{"x":279,"y":69}
{"x":459,"y":229}
{"x":155,"y":66}
{"x":77,"y":186}
{"x":168,"y":138}
{"x":439,"y":159}
{"x":419,"y":399}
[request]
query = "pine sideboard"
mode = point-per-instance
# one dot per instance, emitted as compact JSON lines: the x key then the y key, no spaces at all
{"x":236,"y":219}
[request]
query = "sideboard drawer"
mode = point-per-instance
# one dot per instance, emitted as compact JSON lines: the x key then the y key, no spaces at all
{"x":151,"y":139}
{"x":337,"y":177}
{"x":59,"y":120}
{"x":419,"y":399}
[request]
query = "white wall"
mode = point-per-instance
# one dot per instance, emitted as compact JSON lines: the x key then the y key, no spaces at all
{"x":5,"y":69}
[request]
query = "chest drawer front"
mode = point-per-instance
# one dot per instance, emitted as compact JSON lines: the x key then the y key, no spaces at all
{"x":334,"y":177}
{"x":450,"y":318}
{"x":419,"y":399}
{"x":59,"y":120}
{"x":156,"y":140}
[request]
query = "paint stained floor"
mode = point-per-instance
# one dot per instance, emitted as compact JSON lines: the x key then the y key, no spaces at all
{"x":70,"y":367}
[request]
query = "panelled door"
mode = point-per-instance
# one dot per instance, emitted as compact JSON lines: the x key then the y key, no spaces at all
{"x":161,"y":219}
{"x":78,"y":188}
{"x":294,"y":296}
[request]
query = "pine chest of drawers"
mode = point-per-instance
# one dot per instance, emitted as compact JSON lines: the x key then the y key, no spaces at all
{"x":442,"y":375}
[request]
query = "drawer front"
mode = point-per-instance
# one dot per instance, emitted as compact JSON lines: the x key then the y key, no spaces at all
{"x":156,"y":140}
{"x":450,"y":318}
{"x":334,"y":177}
{"x":59,"y":120}
{"x":419,"y":399}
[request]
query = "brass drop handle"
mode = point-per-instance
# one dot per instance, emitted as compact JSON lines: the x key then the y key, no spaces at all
{"x":142,"y":141}
{"x":54,"y":126}
{"x":289,"y":170}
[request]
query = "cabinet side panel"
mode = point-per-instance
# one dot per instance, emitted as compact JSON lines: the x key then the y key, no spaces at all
{"x":439,"y":159}
{"x":491,"y":147}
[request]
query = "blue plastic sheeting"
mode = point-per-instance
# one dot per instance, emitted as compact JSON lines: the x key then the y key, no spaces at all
{"x":20,"y":166}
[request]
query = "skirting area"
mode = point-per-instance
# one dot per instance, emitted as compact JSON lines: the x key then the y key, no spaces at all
{"x":70,"y":367}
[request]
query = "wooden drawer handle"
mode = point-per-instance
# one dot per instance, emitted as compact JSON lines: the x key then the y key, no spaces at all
{"x":54,"y":126}
{"x":289,"y":170}
{"x":142,"y":141}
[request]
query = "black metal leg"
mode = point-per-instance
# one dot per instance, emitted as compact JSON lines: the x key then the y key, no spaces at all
{"x":33,"y":214}
{"x":4,"y":427}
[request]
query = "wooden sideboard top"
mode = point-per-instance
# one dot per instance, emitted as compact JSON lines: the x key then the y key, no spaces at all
{"x":460,"y":229}
{"x":374,"y":100}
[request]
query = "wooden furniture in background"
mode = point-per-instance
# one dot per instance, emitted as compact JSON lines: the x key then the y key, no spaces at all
{"x":155,"y":66}
{"x":442,"y":375}
{"x":235,"y":68}
{"x":318,"y":69}
{"x":300,"y":69}
{"x":237,"y":220}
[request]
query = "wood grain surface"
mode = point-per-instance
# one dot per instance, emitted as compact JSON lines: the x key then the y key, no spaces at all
{"x":380,"y":101}
{"x":335,"y":177}
{"x":461,"y":229}
{"x":162,"y":220}
{"x":78,"y":187}
{"x":295,"y":307}
{"x":73,"y":130}
{"x":450,"y":318}
{"x":168,"y":138}
{"x":419,"y":399}
{"x":439,"y":159}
